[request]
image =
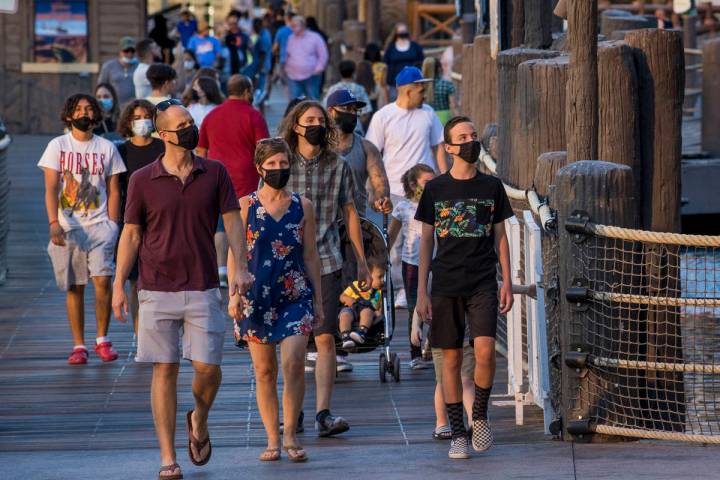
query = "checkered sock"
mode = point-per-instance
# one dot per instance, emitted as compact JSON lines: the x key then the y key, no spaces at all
{"x":480,"y":405}
{"x":455,"y":415}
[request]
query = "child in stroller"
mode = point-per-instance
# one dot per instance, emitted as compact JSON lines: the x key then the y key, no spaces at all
{"x":361,"y":308}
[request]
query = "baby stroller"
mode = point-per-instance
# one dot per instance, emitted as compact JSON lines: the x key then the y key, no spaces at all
{"x":380,"y":334}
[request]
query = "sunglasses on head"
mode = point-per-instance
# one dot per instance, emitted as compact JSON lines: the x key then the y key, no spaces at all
{"x":164,"y":105}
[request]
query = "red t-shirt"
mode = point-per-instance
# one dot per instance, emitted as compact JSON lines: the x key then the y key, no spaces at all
{"x":229,"y":133}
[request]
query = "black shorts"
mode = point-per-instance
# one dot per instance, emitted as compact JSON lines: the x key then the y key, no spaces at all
{"x":331,"y":285}
{"x":447,"y":329}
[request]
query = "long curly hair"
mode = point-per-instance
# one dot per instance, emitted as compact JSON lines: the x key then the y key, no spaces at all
{"x":287,"y":126}
{"x":124,"y":126}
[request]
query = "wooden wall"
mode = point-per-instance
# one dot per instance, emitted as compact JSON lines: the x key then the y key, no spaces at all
{"x":31,"y":102}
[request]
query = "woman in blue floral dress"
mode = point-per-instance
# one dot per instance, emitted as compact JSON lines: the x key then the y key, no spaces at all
{"x":285,"y":299}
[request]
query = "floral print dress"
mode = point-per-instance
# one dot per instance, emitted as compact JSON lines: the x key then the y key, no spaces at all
{"x":279,"y":304}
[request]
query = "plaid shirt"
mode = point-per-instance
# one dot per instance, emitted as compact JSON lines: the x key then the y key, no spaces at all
{"x":327,"y":182}
{"x":442,"y":91}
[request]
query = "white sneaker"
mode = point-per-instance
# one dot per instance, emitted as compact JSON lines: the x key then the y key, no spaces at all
{"x":310,"y":359}
{"x":400,"y":298}
{"x":342,"y":365}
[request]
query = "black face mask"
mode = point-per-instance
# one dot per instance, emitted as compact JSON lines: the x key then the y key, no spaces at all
{"x":469,"y":151}
{"x":83,"y":123}
{"x":315,"y":134}
{"x":194,"y":96}
{"x":346,"y":121}
{"x":277,"y":178}
{"x":187,"y":137}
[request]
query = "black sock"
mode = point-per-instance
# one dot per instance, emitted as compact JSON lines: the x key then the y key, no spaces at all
{"x":455,"y":415}
{"x":480,"y":405}
{"x":322,"y":415}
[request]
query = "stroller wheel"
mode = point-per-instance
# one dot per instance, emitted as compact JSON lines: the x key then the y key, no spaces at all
{"x":383,"y":367}
{"x":395,"y":367}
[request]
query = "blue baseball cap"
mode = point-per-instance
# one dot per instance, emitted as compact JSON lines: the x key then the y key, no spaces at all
{"x":343,"y":97}
{"x":410,"y":75}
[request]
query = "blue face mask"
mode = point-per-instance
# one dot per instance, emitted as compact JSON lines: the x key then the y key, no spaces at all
{"x":106,"y":104}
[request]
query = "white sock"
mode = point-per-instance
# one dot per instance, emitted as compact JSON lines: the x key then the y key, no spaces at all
{"x":100,"y":340}
{"x":222,"y":270}
{"x":80,"y":347}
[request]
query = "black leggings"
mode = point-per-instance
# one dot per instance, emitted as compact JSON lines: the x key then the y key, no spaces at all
{"x":410,"y":282}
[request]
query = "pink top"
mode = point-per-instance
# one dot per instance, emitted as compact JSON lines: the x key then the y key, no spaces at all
{"x":307,"y":55}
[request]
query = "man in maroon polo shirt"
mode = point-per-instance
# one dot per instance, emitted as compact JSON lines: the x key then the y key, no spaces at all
{"x":229,"y":134}
{"x":171,"y":215}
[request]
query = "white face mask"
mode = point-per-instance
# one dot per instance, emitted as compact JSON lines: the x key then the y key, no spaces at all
{"x":142,"y":127}
{"x":189,"y":65}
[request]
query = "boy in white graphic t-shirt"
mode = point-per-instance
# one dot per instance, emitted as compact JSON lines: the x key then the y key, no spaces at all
{"x":82,"y":198}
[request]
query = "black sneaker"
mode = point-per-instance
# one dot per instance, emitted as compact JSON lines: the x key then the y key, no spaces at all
{"x":359,"y":337}
{"x":347,"y":341}
{"x":331,"y":426}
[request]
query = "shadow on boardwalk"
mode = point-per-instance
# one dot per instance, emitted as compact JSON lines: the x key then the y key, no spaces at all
{"x":61,"y":422}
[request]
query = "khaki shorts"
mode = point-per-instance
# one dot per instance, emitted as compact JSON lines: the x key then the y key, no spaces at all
{"x":467,"y":370}
{"x":165,"y":317}
{"x":88,"y":252}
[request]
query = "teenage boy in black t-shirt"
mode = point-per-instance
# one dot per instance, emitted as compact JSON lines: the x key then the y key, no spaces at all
{"x":465,"y":209}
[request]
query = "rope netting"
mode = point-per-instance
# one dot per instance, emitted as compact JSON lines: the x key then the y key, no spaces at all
{"x":649,"y":321}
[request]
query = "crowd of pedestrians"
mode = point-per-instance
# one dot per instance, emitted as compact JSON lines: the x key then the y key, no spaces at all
{"x":168,"y":179}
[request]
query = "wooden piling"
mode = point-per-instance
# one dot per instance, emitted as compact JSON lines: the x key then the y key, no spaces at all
{"x":540,"y":123}
{"x":467,"y":96}
{"x":517,"y":23}
{"x":507,"y":100}
{"x":661,"y":72}
{"x":484,"y":83}
{"x":711,"y":97}
{"x":372,"y":20}
{"x":619,"y":115}
{"x":538,"y":23}
{"x":611,"y":23}
{"x":582,"y":86}
{"x":548,"y":164}
{"x":604,"y":191}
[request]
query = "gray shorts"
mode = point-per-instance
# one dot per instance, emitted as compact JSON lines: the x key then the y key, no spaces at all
{"x":165,"y":317}
{"x":88,"y":252}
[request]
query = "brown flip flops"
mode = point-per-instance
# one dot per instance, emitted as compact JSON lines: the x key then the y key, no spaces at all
{"x":194,"y":442}
{"x":170,"y":468}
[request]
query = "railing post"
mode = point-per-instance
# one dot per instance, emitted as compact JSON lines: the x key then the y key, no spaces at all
{"x":514,"y":326}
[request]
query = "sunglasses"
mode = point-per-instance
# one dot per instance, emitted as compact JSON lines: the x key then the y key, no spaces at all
{"x":164,"y":105}
{"x":129,"y":50}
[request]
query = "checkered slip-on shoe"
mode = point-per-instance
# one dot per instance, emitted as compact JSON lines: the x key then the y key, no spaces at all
{"x":459,"y":448}
{"x":482,"y":437}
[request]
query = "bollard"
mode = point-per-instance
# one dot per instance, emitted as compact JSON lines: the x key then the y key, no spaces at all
{"x":548,"y":164}
{"x":612,"y":23}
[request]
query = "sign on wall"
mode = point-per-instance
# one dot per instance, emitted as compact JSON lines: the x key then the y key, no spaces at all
{"x":8,"y":6}
{"x":61,"y":31}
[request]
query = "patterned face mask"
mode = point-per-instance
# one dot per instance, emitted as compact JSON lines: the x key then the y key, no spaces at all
{"x":418,"y":193}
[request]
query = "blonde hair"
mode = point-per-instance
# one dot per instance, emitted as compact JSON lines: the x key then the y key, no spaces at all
{"x":429,"y":70}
